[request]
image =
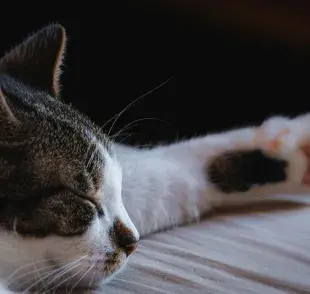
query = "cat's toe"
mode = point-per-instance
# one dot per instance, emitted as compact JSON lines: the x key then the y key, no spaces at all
{"x":275,"y":136}
{"x":306,"y":177}
{"x":288,"y":139}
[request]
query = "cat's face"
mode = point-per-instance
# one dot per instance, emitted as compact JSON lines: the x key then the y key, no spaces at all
{"x":62,"y":220}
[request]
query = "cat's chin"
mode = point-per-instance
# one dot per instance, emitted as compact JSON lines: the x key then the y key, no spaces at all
{"x":87,"y":277}
{"x":94,"y":278}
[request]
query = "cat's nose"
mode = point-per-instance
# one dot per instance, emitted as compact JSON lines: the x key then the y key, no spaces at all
{"x":124,"y":237}
{"x":129,"y":249}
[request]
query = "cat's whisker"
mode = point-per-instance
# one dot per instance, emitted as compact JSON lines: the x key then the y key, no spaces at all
{"x":63,"y":269}
{"x":131,"y":124}
{"x":64,"y":281}
{"x":125,"y":138}
{"x":81,"y":278}
{"x":91,"y":280}
{"x":117,"y":116}
{"x":38,"y":274}
{"x":35,"y":282}
{"x":126,"y":135}
{"x":29,"y":264}
{"x":28,"y":273}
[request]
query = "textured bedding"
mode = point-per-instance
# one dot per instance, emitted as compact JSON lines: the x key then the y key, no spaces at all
{"x":261,"y":249}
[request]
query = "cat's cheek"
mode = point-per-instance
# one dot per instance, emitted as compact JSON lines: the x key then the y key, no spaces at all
{"x":99,"y":257}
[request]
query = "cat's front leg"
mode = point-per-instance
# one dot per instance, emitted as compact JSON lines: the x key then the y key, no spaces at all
{"x":176,"y":184}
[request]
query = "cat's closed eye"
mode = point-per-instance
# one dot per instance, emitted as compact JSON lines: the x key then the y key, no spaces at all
{"x":90,"y":199}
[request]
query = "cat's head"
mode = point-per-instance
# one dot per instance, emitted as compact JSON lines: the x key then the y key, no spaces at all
{"x":62,"y":219}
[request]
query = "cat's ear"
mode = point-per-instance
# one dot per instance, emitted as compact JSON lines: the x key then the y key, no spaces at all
{"x":11,"y":132}
{"x":37,"y":61}
{"x":6,"y":115}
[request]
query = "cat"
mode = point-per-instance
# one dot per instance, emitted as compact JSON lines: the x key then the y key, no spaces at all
{"x":74,"y":204}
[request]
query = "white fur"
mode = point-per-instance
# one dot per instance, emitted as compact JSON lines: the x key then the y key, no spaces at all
{"x":160,"y":187}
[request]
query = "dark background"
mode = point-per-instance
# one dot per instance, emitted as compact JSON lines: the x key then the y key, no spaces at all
{"x":222,"y":66}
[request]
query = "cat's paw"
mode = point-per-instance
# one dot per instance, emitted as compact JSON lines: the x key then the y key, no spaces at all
{"x":280,"y":154}
{"x":288,"y":139}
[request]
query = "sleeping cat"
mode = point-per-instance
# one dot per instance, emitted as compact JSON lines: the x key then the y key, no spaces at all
{"x":73,"y":204}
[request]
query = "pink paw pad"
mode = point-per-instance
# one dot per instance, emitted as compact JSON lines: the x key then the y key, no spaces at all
{"x":276,"y":144}
{"x":306,"y":177}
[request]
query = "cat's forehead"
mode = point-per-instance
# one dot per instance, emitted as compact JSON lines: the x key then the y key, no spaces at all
{"x":50,"y":118}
